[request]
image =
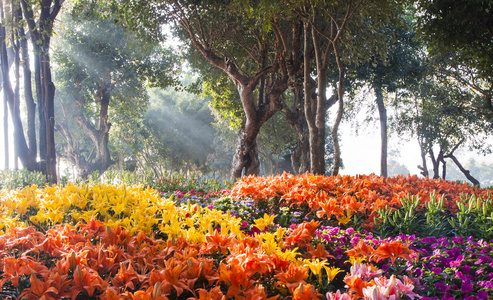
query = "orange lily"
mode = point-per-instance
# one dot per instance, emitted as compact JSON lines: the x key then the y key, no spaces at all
{"x":305,"y":292}
{"x":362,"y":249}
{"x":393,"y":250}
{"x":292,"y":277}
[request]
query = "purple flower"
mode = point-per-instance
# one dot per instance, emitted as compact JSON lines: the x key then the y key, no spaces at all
{"x":486,"y":284}
{"x":429,"y":240}
{"x":458,"y":240}
{"x":482,"y":259}
{"x":482,"y":295}
{"x":466,"y":269}
{"x":385,"y":267}
{"x":442,"y":286}
{"x":354,"y":241}
{"x":436,"y":270}
{"x":350,"y":230}
{"x":466,"y":287}
{"x":459,"y":275}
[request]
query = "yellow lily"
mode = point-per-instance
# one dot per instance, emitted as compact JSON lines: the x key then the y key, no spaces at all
{"x":332,"y":272}
{"x":265,"y":221}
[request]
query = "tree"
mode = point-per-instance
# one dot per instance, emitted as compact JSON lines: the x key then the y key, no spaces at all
{"x":435,"y":113}
{"x":252,"y":50}
{"x":390,"y":73}
{"x":12,"y":32}
{"x":336,"y":35}
{"x":41,"y":31}
{"x":276,"y":140}
{"x":460,"y":33}
{"x":102,"y":69}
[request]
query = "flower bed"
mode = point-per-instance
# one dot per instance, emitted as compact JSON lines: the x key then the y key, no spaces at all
{"x":108,"y":242}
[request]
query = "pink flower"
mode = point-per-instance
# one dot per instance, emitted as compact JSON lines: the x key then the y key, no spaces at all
{"x":389,"y":289}
{"x":338,"y":296}
{"x":365,"y":271}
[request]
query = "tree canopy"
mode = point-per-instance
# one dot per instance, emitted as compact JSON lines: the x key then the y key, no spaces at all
{"x":252,"y":81}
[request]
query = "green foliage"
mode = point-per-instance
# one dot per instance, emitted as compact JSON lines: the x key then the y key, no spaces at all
{"x":473,"y":218}
{"x":405,"y":219}
{"x":100,"y":59}
{"x":179,"y":130}
{"x":166,"y":182}
{"x":225,"y":102}
{"x":13,"y":179}
{"x":461,"y":30}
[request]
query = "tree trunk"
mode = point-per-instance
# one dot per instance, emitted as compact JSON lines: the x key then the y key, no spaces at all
{"x":295,"y":117}
{"x":49,"y":115}
{"x":6,"y":132}
{"x":436,"y":163}
{"x":466,"y":173}
{"x":300,"y":157}
{"x":28,"y":95}
{"x":382,"y":112}
{"x":23,"y":152}
{"x":40,"y":34}
{"x":99,"y":137}
{"x":103,"y":152}
{"x":340,"y":110}
{"x":312,"y":109}
{"x":245,"y":159}
{"x":5,"y":70}
{"x":318,"y":108}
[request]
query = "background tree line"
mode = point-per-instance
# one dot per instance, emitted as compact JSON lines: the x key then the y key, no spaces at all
{"x":247,"y":88}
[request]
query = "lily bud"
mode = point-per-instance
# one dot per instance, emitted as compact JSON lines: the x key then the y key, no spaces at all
{"x":78,"y":272}
{"x":72,"y":261}
{"x":156,"y":291}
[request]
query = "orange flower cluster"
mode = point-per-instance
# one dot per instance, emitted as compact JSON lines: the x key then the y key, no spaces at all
{"x":392,"y":250}
{"x":346,"y":195}
{"x":93,"y":260}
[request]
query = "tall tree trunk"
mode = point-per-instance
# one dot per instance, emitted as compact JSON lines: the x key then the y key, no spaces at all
{"x":5,"y":80}
{"x":19,"y":140}
{"x":315,"y":105}
{"x":340,"y":111}
{"x":6,"y":131}
{"x":316,"y":124}
{"x":49,"y":115}
{"x":382,"y":112}
{"x":28,"y":94}
{"x":40,"y":33}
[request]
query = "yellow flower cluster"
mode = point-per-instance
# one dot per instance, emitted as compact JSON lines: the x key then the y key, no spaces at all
{"x":134,"y":208}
